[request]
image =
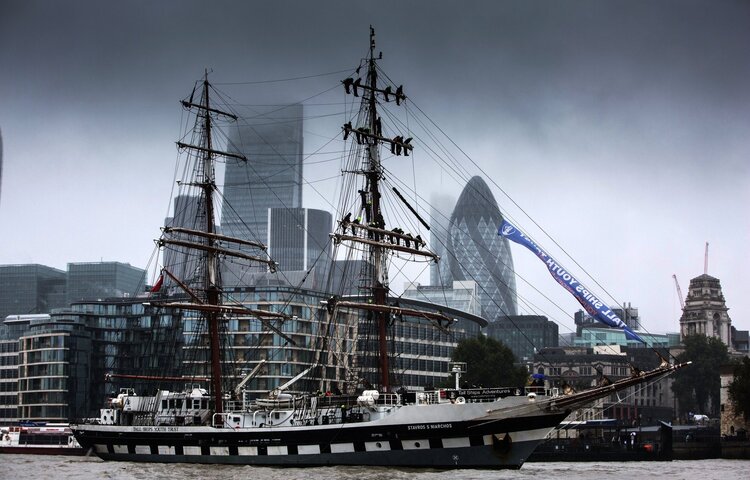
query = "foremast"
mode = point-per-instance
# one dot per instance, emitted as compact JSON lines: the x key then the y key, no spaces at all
{"x":210,"y":243}
{"x":213,"y":289}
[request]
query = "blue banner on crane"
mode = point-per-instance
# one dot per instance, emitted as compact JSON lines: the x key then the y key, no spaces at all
{"x":593,"y":306}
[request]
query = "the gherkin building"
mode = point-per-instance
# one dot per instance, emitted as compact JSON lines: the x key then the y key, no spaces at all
{"x":476,"y":252}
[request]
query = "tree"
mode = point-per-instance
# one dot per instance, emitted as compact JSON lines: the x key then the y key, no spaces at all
{"x":697,"y":387}
{"x":489,"y":363}
{"x":739,"y":389}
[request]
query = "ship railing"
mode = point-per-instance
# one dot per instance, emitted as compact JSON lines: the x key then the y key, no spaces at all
{"x":336,"y":400}
{"x":234,"y":406}
{"x":428,"y":398}
{"x":490,"y":394}
{"x":539,"y":390}
{"x":143,"y":419}
{"x":388,"y":399}
{"x":222,"y":420}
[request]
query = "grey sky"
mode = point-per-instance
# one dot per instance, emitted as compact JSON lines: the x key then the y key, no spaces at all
{"x":620,"y":126}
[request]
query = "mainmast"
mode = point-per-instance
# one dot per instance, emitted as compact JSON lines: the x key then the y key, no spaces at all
{"x":371,"y":230}
{"x":380,"y":268}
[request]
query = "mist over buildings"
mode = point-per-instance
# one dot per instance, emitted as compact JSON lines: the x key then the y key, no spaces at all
{"x":619,"y":126}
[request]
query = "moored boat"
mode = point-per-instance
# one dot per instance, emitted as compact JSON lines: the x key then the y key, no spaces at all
{"x":47,"y":439}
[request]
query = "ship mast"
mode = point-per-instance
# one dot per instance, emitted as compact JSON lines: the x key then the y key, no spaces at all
{"x":213,"y":296}
{"x":209,"y":239}
{"x":377,"y":257}
{"x":371,"y":231}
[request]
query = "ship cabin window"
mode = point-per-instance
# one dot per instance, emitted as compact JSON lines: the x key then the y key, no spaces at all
{"x":163,"y":404}
{"x":174,"y":403}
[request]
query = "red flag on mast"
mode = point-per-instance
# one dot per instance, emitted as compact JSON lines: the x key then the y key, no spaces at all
{"x":157,"y":285}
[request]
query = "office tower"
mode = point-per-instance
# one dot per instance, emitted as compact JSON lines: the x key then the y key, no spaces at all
{"x":27,"y":289}
{"x":461,"y":295}
{"x":476,"y":252}
{"x":270,"y":178}
{"x":525,"y":334}
{"x":90,"y":281}
{"x":345,"y":276}
{"x":627,"y":313}
{"x":177,"y":259}
{"x":298,"y":239}
{"x":440,"y":213}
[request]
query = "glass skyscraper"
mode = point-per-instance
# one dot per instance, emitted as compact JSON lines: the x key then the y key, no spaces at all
{"x":476,"y":252}
{"x":178,"y":260}
{"x":461,"y":295}
{"x":442,"y":205}
{"x":89,"y":281}
{"x":525,"y":334}
{"x":30,"y":288}
{"x":270,"y":178}
{"x":298,"y":239}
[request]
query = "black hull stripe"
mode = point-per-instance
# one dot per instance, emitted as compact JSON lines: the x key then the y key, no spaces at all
{"x":465,"y":444}
{"x":466,"y":457}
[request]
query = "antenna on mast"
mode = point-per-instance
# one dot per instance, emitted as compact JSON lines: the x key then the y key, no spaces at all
{"x":705,"y":261}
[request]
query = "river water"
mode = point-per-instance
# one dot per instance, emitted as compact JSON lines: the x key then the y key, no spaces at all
{"x":40,"y":467}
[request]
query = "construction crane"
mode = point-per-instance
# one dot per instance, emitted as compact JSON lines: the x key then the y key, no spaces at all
{"x":679,"y":291}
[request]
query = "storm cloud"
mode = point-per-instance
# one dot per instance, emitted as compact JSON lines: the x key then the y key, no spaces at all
{"x":621,"y":127}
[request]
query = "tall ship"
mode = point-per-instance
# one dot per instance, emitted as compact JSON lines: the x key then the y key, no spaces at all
{"x":366,"y":416}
